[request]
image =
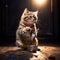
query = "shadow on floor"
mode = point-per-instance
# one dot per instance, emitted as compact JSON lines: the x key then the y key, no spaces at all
{"x":15,"y":55}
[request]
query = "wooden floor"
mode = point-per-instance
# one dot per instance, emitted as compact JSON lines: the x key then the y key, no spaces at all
{"x":46,"y":53}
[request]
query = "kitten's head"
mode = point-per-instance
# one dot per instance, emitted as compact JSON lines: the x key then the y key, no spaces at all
{"x":29,"y":17}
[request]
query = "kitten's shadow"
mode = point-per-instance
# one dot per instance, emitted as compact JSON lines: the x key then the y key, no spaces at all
{"x":16,"y":55}
{"x":23,"y":55}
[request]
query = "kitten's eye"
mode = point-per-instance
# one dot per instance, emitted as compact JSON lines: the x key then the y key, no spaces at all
{"x":25,"y":18}
{"x":30,"y":16}
{"x":34,"y":17}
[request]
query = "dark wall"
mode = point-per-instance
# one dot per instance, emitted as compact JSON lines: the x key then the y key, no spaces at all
{"x":10,"y":13}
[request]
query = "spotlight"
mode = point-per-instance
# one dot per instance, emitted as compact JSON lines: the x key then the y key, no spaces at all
{"x":39,"y":2}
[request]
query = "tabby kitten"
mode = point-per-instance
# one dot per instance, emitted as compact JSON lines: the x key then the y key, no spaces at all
{"x":26,"y":33}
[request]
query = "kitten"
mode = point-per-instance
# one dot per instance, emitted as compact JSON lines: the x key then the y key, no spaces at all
{"x":26,"y":33}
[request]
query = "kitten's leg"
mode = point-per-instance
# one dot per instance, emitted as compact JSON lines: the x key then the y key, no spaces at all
{"x":19,"y":42}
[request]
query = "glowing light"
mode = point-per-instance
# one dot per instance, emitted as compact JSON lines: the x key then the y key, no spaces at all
{"x":39,"y":2}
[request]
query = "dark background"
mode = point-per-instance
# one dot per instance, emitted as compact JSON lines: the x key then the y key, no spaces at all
{"x":11,"y":11}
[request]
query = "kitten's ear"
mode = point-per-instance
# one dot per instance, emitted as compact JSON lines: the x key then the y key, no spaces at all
{"x":25,"y":11}
{"x":36,"y":13}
